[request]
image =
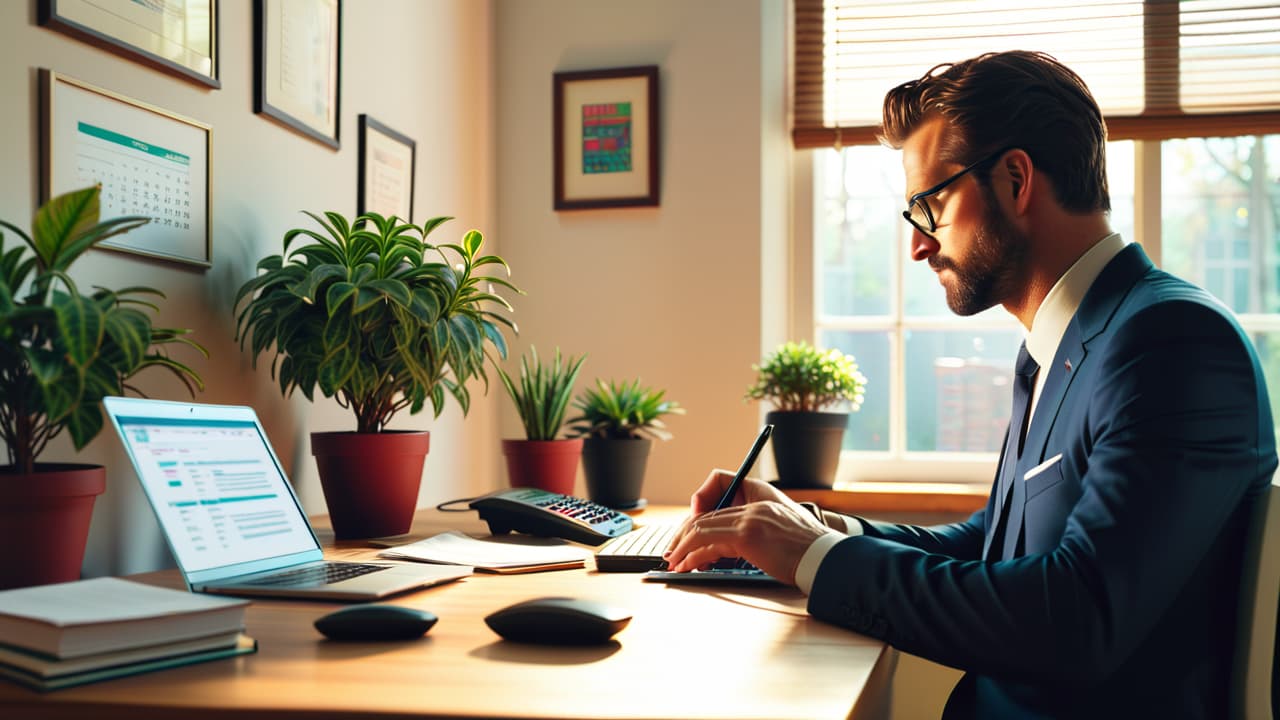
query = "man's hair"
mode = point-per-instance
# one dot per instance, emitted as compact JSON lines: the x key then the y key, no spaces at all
{"x":1019,"y":99}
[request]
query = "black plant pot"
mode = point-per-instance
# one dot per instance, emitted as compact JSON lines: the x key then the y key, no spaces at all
{"x":614,"y":470}
{"x":806,"y":447}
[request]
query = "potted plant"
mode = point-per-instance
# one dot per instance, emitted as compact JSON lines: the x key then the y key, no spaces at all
{"x":541,"y":460}
{"x":619,"y":421}
{"x":61,"y":352}
{"x":800,"y":381}
{"x":373,"y":315}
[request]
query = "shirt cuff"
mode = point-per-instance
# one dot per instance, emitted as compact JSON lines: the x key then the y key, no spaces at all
{"x":807,"y":571}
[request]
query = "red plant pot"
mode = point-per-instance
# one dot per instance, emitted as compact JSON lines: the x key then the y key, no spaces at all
{"x":44,"y":522}
{"x":370,"y":480}
{"x":550,"y":465}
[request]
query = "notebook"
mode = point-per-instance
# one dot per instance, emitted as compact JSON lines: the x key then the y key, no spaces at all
{"x":228,"y":513}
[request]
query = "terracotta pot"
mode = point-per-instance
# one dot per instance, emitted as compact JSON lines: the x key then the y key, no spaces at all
{"x":550,"y":465}
{"x":44,"y":522}
{"x":806,"y":447}
{"x":614,"y":469}
{"x":370,"y":480}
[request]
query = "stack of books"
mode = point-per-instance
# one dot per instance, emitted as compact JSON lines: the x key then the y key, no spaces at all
{"x":55,"y":636}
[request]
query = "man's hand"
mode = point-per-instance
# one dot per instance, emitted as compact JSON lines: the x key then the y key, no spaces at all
{"x":770,"y":530}
{"x":751,"y":490}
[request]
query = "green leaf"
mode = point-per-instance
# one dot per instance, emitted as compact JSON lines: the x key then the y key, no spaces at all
{"x":61,"y":219}
{"x":130,"y":330}
{"x":80,"y":323}
{"x":472,"y":242}
{"x":394,"y":290}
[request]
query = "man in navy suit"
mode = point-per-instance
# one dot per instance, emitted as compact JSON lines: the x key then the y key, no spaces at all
{"x":1102,"y":578}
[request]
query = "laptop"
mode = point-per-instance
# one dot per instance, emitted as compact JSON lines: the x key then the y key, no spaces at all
{"x":229,"y":515}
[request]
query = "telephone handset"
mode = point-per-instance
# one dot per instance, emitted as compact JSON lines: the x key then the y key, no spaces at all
{"x":538,"y":512}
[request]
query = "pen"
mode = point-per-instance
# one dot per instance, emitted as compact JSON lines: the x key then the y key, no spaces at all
{"x":745,"y":468}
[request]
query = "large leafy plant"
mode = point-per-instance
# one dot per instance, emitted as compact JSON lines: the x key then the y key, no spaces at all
{"x":374,"y":316}
{"x":544,"y":392}
{"x":62,"y":351}
{"x":800,"y":377}
{"x":623,"y":410}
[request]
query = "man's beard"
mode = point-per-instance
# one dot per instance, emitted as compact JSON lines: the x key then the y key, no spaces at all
{"x":991,"y":269}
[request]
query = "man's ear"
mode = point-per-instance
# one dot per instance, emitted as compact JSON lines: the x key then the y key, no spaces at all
{"x":1018,"y":166}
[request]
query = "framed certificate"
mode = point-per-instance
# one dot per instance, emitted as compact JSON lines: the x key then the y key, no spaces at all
{"x":176,"y":36}
{"x":385,"y":184}
{"x":297,"y":45}
{"x":149,"y":162}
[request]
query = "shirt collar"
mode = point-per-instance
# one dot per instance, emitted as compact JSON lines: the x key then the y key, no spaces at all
{"x":1060,"y":305}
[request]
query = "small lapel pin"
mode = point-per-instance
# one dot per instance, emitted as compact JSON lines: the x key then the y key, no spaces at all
{"x":1067,"y":364}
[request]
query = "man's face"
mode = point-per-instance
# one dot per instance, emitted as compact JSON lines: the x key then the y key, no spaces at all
{"x":976,"y":251}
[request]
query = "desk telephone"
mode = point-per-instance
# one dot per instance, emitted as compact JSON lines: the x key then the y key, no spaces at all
{"x":538,"y":512}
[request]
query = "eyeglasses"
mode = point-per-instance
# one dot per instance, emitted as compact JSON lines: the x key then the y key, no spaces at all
{"x":918,"y":212}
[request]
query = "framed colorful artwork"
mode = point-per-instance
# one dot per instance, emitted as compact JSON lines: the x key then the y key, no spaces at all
{"x":297,"y":47}
{"x":148,"y":161}
{"x":606,"y":138}
{"x":177,"y":36}
{"x":385,"y":183}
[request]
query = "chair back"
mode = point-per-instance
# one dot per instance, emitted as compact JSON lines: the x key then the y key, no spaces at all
{"x":1254,"y":676}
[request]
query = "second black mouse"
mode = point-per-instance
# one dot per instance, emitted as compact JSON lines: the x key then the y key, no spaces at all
{"x":558,"y":621}
{"x":375,"y":622}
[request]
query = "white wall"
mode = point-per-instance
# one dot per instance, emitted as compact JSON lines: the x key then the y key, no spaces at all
{"x":423,"y":68}
{"x":670,"y":294}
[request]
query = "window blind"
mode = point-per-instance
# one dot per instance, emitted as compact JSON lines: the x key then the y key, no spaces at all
{"x":1158,"y":69}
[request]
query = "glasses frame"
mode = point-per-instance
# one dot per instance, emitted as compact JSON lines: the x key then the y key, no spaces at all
{"x":918,"y":198}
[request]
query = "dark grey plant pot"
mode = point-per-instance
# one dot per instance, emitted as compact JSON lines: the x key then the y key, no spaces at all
{"x":806,"y":447}
{"x":614,"y":470}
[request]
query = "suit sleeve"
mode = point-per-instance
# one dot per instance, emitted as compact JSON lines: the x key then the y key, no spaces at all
{"x":1172,"y":437}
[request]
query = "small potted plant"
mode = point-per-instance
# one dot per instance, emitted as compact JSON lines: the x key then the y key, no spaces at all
{"x":801,"y":381}
{"x":541,"y":460}
{"x":619,"y":421}
{"x":373,"y":315}
{"x":61,"y":352}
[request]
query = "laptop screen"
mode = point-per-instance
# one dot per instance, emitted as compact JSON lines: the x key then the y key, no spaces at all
{"x":219,"y":495}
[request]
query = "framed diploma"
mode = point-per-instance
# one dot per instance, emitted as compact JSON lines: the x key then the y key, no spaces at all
{"x":385,"y":184}
{"x":177,"y":36}
{"x":297,"y":46}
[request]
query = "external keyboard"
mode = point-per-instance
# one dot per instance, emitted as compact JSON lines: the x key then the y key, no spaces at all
{"x":637,"y":551}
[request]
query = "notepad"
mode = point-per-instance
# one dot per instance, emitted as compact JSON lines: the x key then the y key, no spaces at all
{"x":499,"y":554}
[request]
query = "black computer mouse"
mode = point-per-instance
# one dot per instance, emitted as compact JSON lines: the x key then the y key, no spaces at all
{"x":375,"y":622}
{"x":558,"y":621}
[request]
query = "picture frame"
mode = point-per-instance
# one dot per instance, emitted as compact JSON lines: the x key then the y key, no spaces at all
{"x":148,"y":161}
{"x":179,"y":37}
{"x":388,"y":163}
{"x":605,"y":128}
{"x":297,"y":50}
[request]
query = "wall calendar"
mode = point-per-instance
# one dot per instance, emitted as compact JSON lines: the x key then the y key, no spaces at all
{"x":149,"y":162}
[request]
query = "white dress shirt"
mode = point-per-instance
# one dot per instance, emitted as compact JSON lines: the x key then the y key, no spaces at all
{"x":1047,"y":327}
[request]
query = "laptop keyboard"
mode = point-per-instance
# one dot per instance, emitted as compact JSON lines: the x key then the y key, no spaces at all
{"x":326,"y":574}
{"x":642,"y":548}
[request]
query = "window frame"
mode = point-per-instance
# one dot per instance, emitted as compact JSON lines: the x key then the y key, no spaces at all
{"x":897,"y":464}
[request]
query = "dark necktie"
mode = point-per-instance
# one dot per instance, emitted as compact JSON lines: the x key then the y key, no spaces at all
{"x":1024,"y":379}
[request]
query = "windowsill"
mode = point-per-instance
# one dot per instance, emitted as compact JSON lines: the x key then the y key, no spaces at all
{"x":868,"y":497}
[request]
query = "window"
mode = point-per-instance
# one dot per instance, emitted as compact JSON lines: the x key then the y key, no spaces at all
{"x":1205,"y":208}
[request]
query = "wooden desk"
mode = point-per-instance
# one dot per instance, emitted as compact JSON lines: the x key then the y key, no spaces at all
{"x":689,"y":652}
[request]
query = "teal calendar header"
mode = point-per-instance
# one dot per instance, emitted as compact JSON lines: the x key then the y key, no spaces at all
{"x":134,"y":143}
